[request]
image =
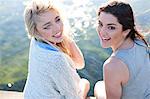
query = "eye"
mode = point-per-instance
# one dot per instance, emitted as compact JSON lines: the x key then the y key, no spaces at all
{"x":111,"y":28}
{"x":47,"y":27}
{"x":100,"y":24}
{"x":58,"y":20}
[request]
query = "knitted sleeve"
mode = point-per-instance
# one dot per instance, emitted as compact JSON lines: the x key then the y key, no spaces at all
{"x":58,"y":72}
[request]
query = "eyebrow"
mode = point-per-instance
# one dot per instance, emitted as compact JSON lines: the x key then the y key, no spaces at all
{"x":56,"y":17}
{"x":47,"y":23}
{"x":111,"y":24}
{"x":108,"y":23}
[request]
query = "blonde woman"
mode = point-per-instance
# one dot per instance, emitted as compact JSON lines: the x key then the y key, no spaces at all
{"x":53,"y":57}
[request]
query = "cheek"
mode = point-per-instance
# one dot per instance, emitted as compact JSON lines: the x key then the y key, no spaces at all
{"x":47,"y":34}
{"x":98,"y":31}
{"x":99,"y":34}
{"x":116,"y":36}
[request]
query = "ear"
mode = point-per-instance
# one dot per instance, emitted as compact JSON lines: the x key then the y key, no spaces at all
{"x":126,"y":32}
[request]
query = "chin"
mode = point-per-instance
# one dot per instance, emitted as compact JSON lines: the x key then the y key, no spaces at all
{"x":105,"y":46}
{"x":59,"y":41}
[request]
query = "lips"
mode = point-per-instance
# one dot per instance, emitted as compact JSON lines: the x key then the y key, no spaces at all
{"x":106,"y":39}
{"x":58,"y":35}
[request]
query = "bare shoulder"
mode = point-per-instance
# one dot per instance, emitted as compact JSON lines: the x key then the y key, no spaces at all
{"x":116,"y":69}
{"x":114,"y":64}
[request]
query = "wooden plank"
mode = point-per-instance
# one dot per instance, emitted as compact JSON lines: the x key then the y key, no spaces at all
{"x":17,"y":95}
{"x":10,"y":95}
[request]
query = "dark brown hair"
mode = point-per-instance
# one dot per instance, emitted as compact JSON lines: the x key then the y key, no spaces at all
{"x":123,"y":12}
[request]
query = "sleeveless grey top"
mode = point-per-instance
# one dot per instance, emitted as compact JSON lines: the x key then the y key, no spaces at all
{"x":137,"y":59}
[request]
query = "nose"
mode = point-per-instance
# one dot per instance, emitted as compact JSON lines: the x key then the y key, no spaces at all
{"x":57,"y":27}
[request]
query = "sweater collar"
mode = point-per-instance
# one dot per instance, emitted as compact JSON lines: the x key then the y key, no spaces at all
{"x":45,"y":45}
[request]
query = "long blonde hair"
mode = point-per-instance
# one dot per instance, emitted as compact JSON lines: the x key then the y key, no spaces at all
{"x":31,"y":13}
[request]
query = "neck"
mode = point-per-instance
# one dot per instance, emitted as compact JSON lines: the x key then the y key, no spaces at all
{"x":125,"y":44}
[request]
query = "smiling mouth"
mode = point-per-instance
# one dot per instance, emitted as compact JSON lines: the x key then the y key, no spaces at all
{"x":57,"y":35}
{"x":106,"y":39}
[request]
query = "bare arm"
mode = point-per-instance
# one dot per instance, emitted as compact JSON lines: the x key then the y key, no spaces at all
{"x":115,"y":75}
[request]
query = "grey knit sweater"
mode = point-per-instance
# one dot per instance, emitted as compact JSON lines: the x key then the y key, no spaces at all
{"x":50,"y":74}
